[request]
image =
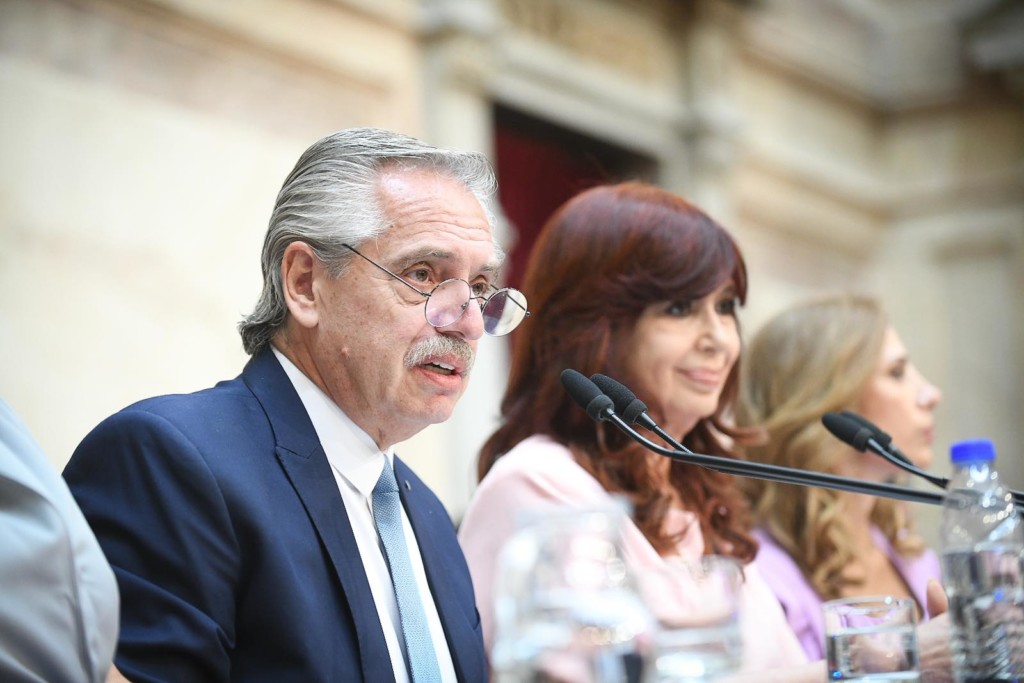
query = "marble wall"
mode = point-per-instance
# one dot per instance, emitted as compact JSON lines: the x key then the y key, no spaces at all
{"x":142,"y":147}
{"x":878,"y":147}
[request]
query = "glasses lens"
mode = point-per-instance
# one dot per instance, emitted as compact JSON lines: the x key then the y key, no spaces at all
{"x":503,"y":312}
{"x":447,"y":302}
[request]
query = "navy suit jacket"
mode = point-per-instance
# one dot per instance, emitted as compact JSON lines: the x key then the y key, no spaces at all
{"x":233,"y":551}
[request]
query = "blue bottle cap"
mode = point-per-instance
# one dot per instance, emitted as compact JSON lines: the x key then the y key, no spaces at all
{"x":972,"y":450}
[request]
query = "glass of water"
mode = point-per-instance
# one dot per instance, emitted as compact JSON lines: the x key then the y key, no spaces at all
{"x":696,"y":604}
{"x":566,"y":608}
{"x":871,"y":639}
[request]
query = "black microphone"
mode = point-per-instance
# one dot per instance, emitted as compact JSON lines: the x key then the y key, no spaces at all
{"x":881,"y":437}
{"x":598,"y":406}
{"x":881,"y":443}
{"x":627,"y":405}
{"x":586,"y":393}
{"x":846,"y":430}
{"x":862,"y":434}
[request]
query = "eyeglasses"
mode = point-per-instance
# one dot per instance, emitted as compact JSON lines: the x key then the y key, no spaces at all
{"x":448,"y":301}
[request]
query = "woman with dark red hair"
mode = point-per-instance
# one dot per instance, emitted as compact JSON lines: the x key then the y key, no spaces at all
{"x":634,"y":282}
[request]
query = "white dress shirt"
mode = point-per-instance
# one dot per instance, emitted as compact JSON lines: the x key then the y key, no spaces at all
{"x":357,"y":462}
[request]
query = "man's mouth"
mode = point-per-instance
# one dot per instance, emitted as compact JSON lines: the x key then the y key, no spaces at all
{"x":439,"y":367}
{"x":427,"y":354}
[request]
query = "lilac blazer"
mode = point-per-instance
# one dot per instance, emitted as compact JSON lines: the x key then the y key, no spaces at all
{"x":801,"y":602}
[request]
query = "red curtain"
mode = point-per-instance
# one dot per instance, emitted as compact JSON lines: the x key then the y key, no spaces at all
{"x":536,"y":174}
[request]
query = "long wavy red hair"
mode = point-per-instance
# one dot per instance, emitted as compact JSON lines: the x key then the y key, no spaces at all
{"x":601,"y":259}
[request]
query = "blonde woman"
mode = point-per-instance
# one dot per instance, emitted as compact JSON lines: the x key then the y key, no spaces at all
{"x":832,"y":354}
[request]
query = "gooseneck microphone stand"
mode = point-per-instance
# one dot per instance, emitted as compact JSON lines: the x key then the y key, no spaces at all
{"x":601,"y":408}
{"x":863,"y":435}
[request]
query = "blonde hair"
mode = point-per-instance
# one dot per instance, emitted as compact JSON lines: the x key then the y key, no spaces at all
{"x":813,"y":358}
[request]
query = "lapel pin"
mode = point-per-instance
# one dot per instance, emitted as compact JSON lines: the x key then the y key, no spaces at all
{"x":408,"y":486}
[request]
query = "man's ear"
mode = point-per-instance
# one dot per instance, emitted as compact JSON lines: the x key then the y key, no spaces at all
{"x":299,"y":269}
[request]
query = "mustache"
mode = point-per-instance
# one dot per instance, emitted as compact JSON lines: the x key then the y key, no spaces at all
{"x":444,"y":346}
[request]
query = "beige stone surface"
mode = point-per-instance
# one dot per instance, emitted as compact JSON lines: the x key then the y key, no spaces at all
{"x":872,"y":146}
{"x":143,"y":145}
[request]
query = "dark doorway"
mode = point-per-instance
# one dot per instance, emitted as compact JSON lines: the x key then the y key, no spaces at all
{"x":540,"y":165}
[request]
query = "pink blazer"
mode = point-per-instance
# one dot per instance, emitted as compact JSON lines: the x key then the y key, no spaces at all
{"x":539,"y":473}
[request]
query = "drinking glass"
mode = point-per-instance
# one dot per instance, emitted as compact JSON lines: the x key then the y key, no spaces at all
{"x":566,"y":607}
{"x":871,"y":639}
{"x":697,"y":605}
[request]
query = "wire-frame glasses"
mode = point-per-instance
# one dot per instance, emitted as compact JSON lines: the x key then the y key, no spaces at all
{"x":503,"y":309}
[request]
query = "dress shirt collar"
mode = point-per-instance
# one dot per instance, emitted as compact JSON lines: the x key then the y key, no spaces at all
{"x":349,"y":449}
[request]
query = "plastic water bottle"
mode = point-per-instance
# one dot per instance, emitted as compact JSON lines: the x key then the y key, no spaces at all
{"x":983,"y":569}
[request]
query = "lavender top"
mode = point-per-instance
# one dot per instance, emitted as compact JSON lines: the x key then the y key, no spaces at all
{"x":801,"y":602}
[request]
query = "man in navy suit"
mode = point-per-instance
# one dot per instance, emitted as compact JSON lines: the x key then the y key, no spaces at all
{"x":240,"y":520}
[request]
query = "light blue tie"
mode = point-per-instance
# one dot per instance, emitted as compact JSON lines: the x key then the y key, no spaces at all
{"x":387,"y":515}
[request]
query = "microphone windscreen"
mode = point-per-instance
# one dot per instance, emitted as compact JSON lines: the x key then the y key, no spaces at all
{"x":880,"y":436}
{"x":627,"y":405}
{"x":586,"y":394}
{"x":846,"y":430}
{"x":633,"y":411}
{"x":618,"y":391}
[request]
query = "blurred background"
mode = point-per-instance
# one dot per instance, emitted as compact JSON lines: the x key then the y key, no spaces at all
{"x":871,"y":145}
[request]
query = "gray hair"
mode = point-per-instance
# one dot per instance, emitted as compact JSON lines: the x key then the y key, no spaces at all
{"x":331,"y":198}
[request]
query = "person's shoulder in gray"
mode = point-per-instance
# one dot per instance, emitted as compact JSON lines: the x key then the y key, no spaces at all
{"x":58,"y":596}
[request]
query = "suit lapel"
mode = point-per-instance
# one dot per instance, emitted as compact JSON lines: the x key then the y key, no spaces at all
{"x":422,"y":511}
{"x":304,"y":462}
